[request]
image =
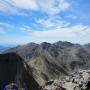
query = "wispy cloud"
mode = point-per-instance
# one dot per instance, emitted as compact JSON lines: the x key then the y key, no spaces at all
{"x":6,"y":7}
{"x":53,"y":23}
{"x":25,"y":4}
{"x":47,"y":20}
{"x":72,"y":16}
{"x":73,"y":34}
{"x":5,"y":25}
{"x":26,"y":29}
{"x":6,"y":28}
{"x":62,"y":32}
{"x":50,"y":7}
{"x":50,"y":34}
{"x":53,"y":7}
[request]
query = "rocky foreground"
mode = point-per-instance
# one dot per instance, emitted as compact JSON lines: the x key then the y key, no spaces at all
{"x":76,"y":81}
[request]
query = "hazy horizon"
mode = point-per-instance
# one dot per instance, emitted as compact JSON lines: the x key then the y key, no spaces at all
{"x":14,"y":45}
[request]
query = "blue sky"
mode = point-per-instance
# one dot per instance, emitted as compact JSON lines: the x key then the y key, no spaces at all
{"x":25,"y":21}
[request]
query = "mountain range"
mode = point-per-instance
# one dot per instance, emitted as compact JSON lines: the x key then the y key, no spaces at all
{"x":49,"y":61}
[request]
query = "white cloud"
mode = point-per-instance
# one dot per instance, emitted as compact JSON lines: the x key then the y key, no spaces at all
{"x":45,"y":22}
{"x":73,"y":33}
{"x":72,"y":16}
{"x":52,"y":23}
{"x":25,"y":29}
{"x":9,"y":29}
{"x":50,"y":7}
{"x":61,"y":32}
{"x":25,"y":4}
{"x":16,"y":7}
{"x":5,"y":26}
{"x":53,"y":7}
{"x":6,"y":7}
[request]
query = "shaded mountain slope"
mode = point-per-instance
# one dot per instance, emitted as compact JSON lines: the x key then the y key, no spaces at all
{"x":25,"y":51}
{"x":45,"y":68}
{"x":49,"y":61}
{"x":14,"y":70}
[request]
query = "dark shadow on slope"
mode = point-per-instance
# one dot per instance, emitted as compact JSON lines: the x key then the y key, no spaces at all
{"x":14,"y":70}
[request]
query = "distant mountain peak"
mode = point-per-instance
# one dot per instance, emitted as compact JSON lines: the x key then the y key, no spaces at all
{"x":32,"y":43}
{"x":63,"y":44}
{"x":45,"y":45}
